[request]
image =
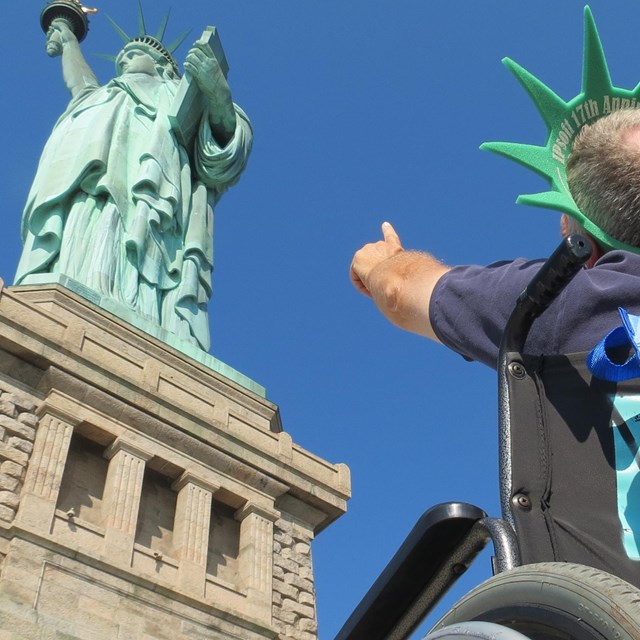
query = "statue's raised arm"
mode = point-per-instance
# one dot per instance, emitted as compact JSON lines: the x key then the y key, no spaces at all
{"x":62,"y":41}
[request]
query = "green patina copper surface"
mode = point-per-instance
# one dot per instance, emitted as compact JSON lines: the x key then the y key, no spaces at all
{"x":564,"y":120}
{"x":117,"y":204}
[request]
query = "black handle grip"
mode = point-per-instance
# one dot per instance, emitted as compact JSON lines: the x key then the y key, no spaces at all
{"x":556,"y":273}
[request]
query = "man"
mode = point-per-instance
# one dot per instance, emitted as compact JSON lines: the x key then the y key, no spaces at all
{"x":466,"y":308}
{"x":117,"y":204}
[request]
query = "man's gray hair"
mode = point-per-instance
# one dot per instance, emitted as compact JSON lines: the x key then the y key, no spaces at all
{"x":603,"y":172}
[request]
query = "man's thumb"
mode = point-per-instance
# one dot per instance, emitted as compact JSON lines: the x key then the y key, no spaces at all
{"x":389,"y":234}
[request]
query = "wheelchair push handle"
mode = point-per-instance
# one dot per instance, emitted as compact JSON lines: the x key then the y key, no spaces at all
{"x":556,"y":273}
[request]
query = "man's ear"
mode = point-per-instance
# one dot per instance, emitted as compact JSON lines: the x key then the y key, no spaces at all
{"x":564,"y":225}
{"x":596,"y":251}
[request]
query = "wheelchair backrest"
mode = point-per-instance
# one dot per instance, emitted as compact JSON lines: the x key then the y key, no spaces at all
{"x":574,"y":474}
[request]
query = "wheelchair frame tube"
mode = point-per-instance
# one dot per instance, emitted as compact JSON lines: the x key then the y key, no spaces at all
{"x":439,"y":549}
{"x":554,"y":275}
{"x":507,"y":556}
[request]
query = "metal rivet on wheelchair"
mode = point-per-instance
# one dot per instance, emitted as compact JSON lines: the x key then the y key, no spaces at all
{"x":517,"y":370}
{"x":522,"y":501}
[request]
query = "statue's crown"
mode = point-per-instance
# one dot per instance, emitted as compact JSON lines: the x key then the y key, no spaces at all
{"x":564,"y":120}
{"x":152,"y":43}
{"x":155,"y":45}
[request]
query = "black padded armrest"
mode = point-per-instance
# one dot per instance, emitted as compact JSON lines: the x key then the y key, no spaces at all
{"x":425,"y":551}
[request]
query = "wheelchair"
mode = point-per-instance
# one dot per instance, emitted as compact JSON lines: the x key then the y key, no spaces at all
{"x":566,"y":559}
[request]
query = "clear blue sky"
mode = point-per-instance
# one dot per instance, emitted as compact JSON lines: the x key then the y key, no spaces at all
{"x":363,"y":110}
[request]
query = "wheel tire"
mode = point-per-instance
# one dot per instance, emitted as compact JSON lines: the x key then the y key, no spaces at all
{"x":475,"y":631}
{"x":553,"y":601}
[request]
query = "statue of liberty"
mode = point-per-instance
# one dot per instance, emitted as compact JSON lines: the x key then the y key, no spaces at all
{"x":117,"y":203}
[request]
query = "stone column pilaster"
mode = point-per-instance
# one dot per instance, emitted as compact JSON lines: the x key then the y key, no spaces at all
{"x":44,"y":474}
{"x":191,"y":531}
{"x":256,"y":553}
{"x":121,"y":502}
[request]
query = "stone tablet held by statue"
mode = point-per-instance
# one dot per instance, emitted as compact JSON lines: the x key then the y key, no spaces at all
{"x":189,"y":104}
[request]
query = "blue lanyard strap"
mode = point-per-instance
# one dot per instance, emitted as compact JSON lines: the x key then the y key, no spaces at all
{"x":627,"y":334}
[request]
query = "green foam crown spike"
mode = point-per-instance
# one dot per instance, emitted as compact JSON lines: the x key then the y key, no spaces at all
{"x":564,"y":120}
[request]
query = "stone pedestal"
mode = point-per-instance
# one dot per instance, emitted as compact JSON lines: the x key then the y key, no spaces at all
{"x":144,"y":493}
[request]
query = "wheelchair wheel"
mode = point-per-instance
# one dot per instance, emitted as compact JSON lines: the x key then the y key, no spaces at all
{"x":476,"y":631}
{"x":554,"y":601}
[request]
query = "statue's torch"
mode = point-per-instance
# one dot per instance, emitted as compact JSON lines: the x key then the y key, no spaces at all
{"x":69,"y":10}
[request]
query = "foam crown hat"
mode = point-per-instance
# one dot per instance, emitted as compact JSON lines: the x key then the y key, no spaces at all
{"x":148,"y":41}
{"x":564,"y":120}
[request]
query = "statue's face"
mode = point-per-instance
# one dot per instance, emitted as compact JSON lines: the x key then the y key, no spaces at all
{"x":136,"y":61}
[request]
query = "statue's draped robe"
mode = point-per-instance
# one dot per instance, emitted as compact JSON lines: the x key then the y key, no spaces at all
{"x":120,"y":207}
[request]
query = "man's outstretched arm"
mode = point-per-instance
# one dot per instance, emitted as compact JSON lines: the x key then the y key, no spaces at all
{"x":399,"y":282}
